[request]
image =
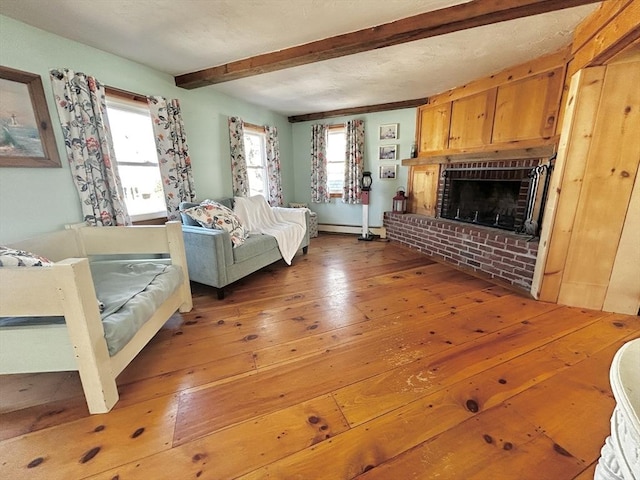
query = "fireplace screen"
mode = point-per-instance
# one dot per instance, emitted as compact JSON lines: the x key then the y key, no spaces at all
{"x":495,"y":197}
{"x":486,"y":202}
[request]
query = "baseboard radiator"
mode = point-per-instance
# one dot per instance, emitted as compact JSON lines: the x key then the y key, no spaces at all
{"x":357,"y":230}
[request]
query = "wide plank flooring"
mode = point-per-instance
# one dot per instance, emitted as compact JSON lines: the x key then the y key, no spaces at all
{"x":362,"y":360}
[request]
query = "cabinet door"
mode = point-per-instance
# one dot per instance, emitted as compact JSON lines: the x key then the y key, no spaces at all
{"x":528,"y":109}
{"x":423,"y":189}
{"x":472,"y":120}
{"x":434,"y":127}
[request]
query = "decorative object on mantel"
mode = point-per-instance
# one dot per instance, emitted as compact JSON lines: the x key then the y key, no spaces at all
{"x":26,"y":137}
{"x":400,"y":201}
{"x":414,"y":150}
{"x":388,"y":172}
{"x":388,"y":152}
{"x":365,"y":187}
{"x":389,"y":132}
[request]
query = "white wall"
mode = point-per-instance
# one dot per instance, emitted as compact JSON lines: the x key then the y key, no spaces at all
{"x":382,"y":191}
{"x":36,"y":200}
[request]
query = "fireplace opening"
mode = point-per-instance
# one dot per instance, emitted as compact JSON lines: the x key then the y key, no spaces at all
{"x":493,"y":203}
{"x":493,"y":196}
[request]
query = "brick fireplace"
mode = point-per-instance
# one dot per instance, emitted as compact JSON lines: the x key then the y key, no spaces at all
{"x":487,"y":220}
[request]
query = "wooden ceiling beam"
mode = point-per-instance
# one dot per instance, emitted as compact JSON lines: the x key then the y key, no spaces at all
{"x":430,"y":24}
{"x":380,"y":107}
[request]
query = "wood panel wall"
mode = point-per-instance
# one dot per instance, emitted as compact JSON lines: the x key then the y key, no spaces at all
{"x":598,"y":162}
{"x":611,"y":29}
{"x":590,"y":245}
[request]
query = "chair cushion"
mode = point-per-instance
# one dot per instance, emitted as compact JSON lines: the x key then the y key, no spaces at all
{"x":255,"y":245}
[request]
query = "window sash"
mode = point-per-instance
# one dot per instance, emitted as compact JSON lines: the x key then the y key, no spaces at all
{"x":257,"y":173}
{"x":144,"y":195}
{"x":336,"y":158}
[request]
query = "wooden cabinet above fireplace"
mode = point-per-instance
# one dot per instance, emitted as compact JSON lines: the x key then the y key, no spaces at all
{"x":513,"y":114}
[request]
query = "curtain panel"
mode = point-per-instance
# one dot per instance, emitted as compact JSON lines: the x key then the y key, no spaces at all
{"x":273,"y":167}
{"x":173,"y":154}
{"x":319,"y":185}
{"x":354,"y":161}
{"x":239,"y":178}
{"x":82,"y":109}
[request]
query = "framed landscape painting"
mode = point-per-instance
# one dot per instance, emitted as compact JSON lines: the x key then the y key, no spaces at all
{"x":26,"y":137}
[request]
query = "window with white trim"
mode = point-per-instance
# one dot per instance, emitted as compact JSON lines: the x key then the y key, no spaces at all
{"x":336,"y":156}
{"x":255,"y":151}
{"x":137,"y":159}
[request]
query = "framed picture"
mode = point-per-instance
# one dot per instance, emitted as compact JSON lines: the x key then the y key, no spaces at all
{"x":388,"y":172}
{"x":388,"y":152}
{"x":389,"y":131}
{"x":26,"y":136}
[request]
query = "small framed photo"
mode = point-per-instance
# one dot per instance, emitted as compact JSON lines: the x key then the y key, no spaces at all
{"x":388,"y":152}
{"x":388,"y":172}
{"x":389,"y":131}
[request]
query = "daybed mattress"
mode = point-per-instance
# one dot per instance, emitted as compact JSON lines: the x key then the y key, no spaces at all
{"x":130,"y":291}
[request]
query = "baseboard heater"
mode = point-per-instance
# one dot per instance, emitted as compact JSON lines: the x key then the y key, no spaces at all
{"x":325,"y":227}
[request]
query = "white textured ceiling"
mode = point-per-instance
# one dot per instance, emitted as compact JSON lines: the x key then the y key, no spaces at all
{"x":181,"y":36}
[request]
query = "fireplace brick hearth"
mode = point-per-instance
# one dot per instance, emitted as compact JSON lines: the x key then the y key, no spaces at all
{"x":501,"y":255}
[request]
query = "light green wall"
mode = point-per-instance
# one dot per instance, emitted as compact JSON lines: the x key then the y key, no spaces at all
{"x":382,"y":191}
{"x":36,"y":200}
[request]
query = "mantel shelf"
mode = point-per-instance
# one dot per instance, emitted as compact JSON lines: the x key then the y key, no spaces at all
{"x":507,"y":151}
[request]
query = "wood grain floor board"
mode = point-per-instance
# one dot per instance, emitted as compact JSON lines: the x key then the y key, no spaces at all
{"x":361,"y":360}
{"x":405,"y":322}
{"x":494,"y":444}
{"x":246,"y":446}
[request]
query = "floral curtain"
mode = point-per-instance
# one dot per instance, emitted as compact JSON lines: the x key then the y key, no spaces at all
{"x":239,"y":178}
{"x":273,"y":167}
{"x":81,"y":104}
{"x":319,"y":186}
{"x":354,"y":161}
{"x":173,"y":154}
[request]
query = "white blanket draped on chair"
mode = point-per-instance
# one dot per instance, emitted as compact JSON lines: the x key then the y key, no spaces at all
{"x":288,"y":227}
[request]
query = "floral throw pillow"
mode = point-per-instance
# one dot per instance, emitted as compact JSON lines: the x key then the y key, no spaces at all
{"x":11,"y":257}
{"x":212,"y":214}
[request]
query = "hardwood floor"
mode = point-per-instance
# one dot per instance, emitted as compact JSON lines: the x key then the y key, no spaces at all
{"x":362,"y":360}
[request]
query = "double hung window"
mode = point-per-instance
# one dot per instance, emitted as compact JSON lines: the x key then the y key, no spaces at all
{"x":336,"y":156}
{"x":256,"y":158}
{"x":135,"y":151}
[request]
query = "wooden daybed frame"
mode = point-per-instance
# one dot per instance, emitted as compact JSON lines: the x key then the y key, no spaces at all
{"x":66,"y":289}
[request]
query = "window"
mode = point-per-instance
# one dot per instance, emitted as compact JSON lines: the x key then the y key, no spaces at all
{"x":135,"y":150}
{"x":336,"y":155}
{"x":256,"y":158}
